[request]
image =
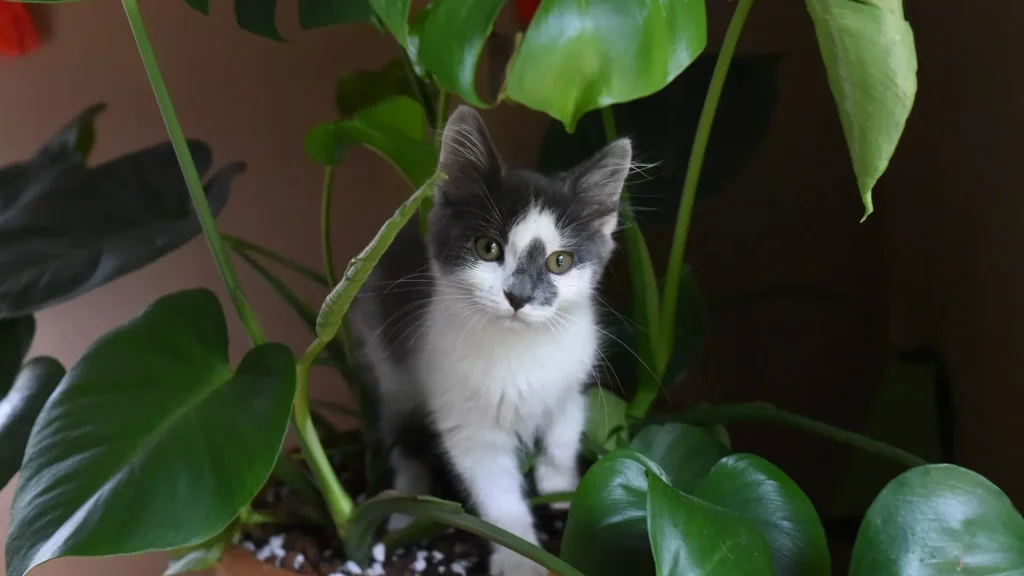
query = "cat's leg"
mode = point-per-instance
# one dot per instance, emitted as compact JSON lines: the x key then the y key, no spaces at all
{"x":486,"y":461}
{"x":411,"y":474}
{"x":556,"y":467}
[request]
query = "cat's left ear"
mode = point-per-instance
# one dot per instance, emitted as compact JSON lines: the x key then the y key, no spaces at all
{"x":599,"y":181}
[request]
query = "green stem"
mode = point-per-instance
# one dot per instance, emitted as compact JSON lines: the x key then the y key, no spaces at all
{"x":325,"y":224}
{"x":339,"y":503}
{"x":440,"y":116}
{"x":706,"y":415}
{"x":700,"y":143}
{"x":241,"y":245}
{"x":188,"y":169}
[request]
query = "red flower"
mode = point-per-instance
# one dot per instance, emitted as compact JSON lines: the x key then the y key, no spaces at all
{"x":525,"y":9}
{"x":17,"y":31}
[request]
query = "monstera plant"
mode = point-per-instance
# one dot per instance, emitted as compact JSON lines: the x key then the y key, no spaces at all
{"x":154,"y":441}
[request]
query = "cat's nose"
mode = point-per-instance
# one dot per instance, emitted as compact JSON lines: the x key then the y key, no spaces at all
{"x":517,"y":301}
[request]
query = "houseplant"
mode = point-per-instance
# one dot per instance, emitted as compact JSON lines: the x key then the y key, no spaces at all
{"x":96,"y":485}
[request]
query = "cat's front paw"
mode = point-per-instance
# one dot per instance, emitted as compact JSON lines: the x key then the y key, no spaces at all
{"x":554,"y":479}
{"x":505,"y":562}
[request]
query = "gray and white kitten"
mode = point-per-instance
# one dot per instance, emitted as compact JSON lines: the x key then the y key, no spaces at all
{"x":483,"y":334}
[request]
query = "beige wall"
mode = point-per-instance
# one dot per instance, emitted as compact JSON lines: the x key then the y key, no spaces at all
{"x":939,"y":258}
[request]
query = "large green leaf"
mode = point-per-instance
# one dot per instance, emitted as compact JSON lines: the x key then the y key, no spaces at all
{"x":151,"y":442}
{"x":871,"y":62}
{"x":258,"y":17}
{"x":452,"y":38}
{"x":577,"y":57}
{"x":321,"y":13}
{"x":691,"y":537}
{"x":606,"y":418}
{"x":20,"y":408}
{"x":606,"y":532}
{"x":73,"y":229}
{"x":936,"y":520}
{"x":685,"y":452}
{"x":758,"y":491}
{"x":395,"y":128}
{"x":16,"y":336}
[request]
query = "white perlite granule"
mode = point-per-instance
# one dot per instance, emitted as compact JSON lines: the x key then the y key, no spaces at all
{"x":352,"y":568}
{"x":298,"y":562}
{"x":437,"y":555}
{"x":419,"y":565}
{"x":458,"y":568}
{"x":376,"y":570}
{"x":379,"y":551}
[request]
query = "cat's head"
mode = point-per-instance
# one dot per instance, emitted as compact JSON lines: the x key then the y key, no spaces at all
{"x":519,"y":244}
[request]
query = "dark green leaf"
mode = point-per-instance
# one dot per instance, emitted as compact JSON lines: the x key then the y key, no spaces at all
{"x":758,"y":491}
{"x":20,"y":408}
{"x":577,"y":57}
{"x":370,"y":515}
{"x":151,"y":442}
{"x":258,"y":17}
{"x":321,"y":13}
{"x":606,"y":418}
{"x":693,"y":537}
{"x":394,"y":128}
{"x":936,"y":520}
{"x":362,"y":89}
{"x":451,"y":41}
{"x":871,"y":62}
{"x":81,"y":228}
{"x":606,"y":532}
{"x":685,"y":452}
{"x":691,"y":330}
{"x":200,"y":5}
{"x":16,"y":336}
{"x":395,"y":16}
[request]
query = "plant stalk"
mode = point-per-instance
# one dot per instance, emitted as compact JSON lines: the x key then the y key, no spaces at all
{"x":325,"y":225}
{"x":192,"y":180}
{"x":700,"y":143}
{"x":241,"y":245}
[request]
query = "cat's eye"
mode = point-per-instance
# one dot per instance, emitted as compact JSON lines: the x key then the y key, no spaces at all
{"x":559,"y":262}
{"x":487,"y":249}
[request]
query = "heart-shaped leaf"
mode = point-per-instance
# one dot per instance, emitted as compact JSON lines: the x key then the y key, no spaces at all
{"x":451,"y":41}
{"x":395,"y":128}
{"x":321,"y":13}
{"x":758,"y":491}
{"x":365,"y":88}
{"x":871,"y":62}
{"x":151,"y":442}
{"x":20,"y":408}
{"x":16,"y":336}
{"x":75,"y":229}
{"x":936,"y":520}
{"x":606,"y":419}
{"x":577,"y":57}
{"x":689,"y":536}
{"x":606,"y":532}
{"x":685,"y":452}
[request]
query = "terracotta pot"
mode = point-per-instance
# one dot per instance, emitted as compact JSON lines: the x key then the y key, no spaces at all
{"x":238,"y":561}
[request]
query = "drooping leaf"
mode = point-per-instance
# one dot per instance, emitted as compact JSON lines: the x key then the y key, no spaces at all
{"x":151,"y":442}
{"x":76,"y":229}
{"x":321,"y":13}
{"x":758,"y":491}
{"x":936,"y":520}
{"x":365,"y":88}
{"x":576,"y":57}
{"x":258,"y":17}
{"x":685,"y":452}
{"x":395,"y":16}
{"x":606,"y":532}
{"x":395,"y":128}
{"x":691,"y":330}
{"x":871,"y":63}
{"x":451,"y":41}
{"x":202,"y":6}
{"x":16,"y":336}
{"x":689,"y":536}
{"x":606,"y":418}
{"x":20,"y":408}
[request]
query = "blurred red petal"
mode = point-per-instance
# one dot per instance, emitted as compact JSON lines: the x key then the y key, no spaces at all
{"x":17,"y":31}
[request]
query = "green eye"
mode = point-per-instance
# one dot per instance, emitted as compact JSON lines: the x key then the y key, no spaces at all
{"x":487,"y":249}
{"x":559,"y":262}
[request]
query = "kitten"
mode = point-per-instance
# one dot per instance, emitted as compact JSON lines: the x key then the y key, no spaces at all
{"x":483,"y":334}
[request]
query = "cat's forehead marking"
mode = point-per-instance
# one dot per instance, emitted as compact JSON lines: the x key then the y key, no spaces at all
{"x":535,"y":224}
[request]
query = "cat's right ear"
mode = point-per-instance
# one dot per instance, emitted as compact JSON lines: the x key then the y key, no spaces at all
{"x":467,"y":153}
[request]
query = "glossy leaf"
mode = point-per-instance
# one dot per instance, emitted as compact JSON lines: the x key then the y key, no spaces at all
{"x":451,"y":41}
{"x":74,"y":228}
{"x":258,"y":17}
{"x":395,"y":16}
{"x":394,"y":128}
{"x":321,"y":13}
{"x":16,"y":336}
{"x":606,"y":532}
{"x":871,"y":62}
{"x":606,"y":418}
{"x":693,"y":537}
{"x":151,"y":442}
{"x":936,"y":520}
{"x":758,"y":491}
{"x":20,"y":408}
{"x":373,"y":512}
{"x":691,"y":330}
{"x":577,"y":57}
{"x":365,"y":88}
{"x":685,"y":452}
